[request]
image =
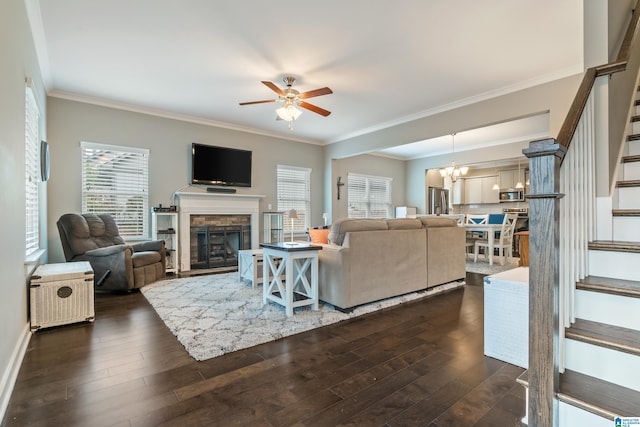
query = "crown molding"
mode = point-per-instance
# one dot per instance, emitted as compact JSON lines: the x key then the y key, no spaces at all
{"x":69,"y":96}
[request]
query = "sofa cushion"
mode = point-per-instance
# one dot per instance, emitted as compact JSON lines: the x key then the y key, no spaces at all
{"x":404,"y":224}
{"x":342,"y":226}
{"x":438,"y":221}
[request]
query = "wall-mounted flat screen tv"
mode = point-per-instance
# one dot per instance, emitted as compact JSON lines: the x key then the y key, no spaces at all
{"x":212,"y":165}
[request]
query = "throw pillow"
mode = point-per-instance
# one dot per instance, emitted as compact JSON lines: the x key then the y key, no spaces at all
{"x":319,"y":236}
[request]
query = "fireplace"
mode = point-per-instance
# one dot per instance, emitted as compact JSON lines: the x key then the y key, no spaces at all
{"x":216,"y":239}
{"x":244,"y":207}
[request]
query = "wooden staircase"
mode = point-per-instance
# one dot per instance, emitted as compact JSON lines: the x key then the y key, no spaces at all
{"x":603,"y":344}
{"x":601,"y":380}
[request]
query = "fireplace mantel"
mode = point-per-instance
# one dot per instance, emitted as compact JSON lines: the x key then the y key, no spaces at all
{"x":197,"y":203}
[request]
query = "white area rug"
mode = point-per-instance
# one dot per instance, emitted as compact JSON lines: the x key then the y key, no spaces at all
{"x":483,"y":267}
{"x":217,"y":314}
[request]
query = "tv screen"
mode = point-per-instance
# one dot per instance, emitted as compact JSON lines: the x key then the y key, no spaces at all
{"x":220,"y":166}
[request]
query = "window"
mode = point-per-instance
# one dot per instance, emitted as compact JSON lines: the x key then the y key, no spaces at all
{"x":115,"y":180}
{"x":369,"y":196}
{"x":294,"y":192}
{"x":31,"y":169}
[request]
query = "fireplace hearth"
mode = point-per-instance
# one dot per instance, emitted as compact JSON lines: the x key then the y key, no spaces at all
{"x":218,"y":246}
{"x":202,"y":209}
{"x":216,"y":239}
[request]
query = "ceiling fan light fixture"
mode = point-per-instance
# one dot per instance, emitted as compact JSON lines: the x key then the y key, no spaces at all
{"x":288,"y":113}
{"x":292,"y":98}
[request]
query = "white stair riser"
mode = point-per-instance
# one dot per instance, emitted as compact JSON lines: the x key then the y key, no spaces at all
{"x":630,"y":171}
{"x":628,"y":197}
{"x":634,"y":147}
{"x":626,"y":228}
{"x":570,"y":416}
{"x":617,"y":265}
{"x":611,"y":309}
{"x":588,"y":359}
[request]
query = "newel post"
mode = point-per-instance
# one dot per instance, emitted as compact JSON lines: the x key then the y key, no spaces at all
{"x":545,"y":157}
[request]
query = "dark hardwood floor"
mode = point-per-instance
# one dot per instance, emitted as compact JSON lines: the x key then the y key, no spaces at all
{"x":419,"y":364}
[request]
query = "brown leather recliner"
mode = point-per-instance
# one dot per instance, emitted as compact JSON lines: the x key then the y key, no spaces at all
{"x":117,"y":266}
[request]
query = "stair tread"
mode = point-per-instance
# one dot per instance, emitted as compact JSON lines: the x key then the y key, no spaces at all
{"x":625,"y":212}
{"x":635,"y":118}
{"x":603,"y":335}
{"x":614,"y":245}
{"x":594,"y":395}
{"x":631,"y":183}
{"x":631,"y":159}
{"x":633,"y":137}
{"x":607,"y":285}
{"x":598,"y":396}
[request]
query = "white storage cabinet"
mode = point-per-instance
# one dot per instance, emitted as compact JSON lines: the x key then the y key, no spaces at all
{"x":273,"y":226}
{"x":61,"y":294}
{"x":164,"y":226}
{"x":506,"y":316}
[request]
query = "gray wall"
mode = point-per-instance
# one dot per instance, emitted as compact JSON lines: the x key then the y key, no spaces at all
{"x":169,"y":142}
{"x":554,"y":97}
{"x":18,"y":61}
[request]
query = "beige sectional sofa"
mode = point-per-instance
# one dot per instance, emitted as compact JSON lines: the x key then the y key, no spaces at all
{"x":372,"y":259}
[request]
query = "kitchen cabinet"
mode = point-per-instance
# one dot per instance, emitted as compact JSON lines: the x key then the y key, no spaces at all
{"x":489,"y":195}
{"x":509,"y":178}
{"x":472,"y":191}
{"x":456,"y":191}
{"x":457,"y":196}
{"x":480,"y":190}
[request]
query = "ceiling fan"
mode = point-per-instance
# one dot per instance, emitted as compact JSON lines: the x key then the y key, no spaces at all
{"x":291,"y":98}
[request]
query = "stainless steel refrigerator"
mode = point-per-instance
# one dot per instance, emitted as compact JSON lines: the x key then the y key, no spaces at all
{"x":438,"y":202}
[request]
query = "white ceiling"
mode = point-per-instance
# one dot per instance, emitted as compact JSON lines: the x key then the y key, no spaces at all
{"x":386,"y":61}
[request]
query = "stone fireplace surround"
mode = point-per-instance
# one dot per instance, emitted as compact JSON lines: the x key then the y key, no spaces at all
{"x":198,"y":203}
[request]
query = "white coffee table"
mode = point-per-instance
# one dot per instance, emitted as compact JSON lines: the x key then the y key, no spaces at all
{"x":298,"y":264}
{"x":250,"y":265}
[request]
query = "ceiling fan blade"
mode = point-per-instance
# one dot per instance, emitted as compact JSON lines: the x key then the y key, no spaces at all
{"x":314,"y":108}
{"x":317,"y":92}
{"x":273,"y":87}
{"x":258,"y":102}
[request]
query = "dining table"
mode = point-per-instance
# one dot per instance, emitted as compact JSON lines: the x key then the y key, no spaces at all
{"x":490,"y":231}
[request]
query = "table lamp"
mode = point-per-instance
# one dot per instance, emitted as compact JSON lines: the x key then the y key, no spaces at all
{"x":293,"y":214}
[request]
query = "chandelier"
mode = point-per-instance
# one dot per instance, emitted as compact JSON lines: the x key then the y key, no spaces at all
{"x":452,"y":171}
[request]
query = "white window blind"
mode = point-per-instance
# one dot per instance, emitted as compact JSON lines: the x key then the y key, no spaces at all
{"x":115,"y":180}
{"x":294,"y":192}
{"x":32,"y":170}
{"x":368,"y":196}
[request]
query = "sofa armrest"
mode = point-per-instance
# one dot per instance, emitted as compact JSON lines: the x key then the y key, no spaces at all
{"x":153,"y":245}
{"x":107,"y":251}
{"x":111,"y":264}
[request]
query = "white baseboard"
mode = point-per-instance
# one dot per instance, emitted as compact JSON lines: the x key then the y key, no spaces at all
{"x":11,"y":373}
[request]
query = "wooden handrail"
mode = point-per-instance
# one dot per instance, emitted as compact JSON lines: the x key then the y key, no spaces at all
{"x":565,"y":135}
